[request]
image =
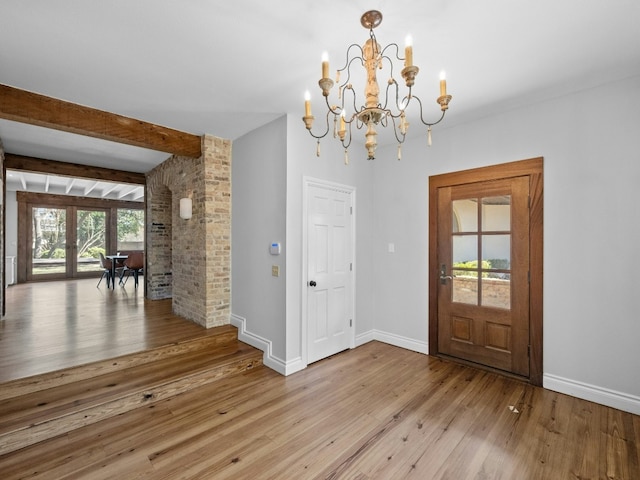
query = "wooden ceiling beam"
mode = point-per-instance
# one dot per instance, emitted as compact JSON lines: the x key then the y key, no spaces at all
{"x":65,"y":169}
{"x":35,"y":109}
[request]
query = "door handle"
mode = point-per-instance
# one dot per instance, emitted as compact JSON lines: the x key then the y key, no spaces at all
{"x":312,"y":283}
{"x":443,"y":276}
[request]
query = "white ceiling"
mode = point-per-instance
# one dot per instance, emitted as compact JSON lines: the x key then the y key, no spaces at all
{"x":225,"y":68}
{"x":80,"y":187}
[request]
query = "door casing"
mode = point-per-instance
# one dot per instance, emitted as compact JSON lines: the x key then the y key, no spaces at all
{"x":533,"y":168}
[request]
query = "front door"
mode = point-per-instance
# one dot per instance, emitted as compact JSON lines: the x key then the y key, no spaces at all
{"x":483,"y":263}
{"x":329,"y":272}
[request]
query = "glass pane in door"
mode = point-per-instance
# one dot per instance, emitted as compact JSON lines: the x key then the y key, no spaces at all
{"x":496,"y":252}
{"x":48,"y":251}
{"x":90,"y":239}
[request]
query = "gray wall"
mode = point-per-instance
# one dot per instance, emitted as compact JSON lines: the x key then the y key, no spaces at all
{"x":259,"y":192}
{"x":591,"y":151}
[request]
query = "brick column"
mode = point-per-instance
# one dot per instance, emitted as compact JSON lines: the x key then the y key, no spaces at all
{"x":199,"y":254}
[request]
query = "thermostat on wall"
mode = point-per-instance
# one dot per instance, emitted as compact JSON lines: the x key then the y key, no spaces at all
{"x":275,"y":249}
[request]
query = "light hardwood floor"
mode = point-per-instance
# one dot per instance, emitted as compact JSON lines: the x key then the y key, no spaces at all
{"x":375,"y":412}
{"x":54,"y":325}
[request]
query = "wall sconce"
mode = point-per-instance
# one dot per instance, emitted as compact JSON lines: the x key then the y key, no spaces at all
{"x":185,"y":208}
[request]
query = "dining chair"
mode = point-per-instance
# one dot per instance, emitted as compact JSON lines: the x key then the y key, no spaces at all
{"x":105,"y":263}
{"x":134,"y":264}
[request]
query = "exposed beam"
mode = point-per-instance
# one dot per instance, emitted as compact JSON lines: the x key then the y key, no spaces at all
{"x":65,"y":169}
{"x":35,"y":109}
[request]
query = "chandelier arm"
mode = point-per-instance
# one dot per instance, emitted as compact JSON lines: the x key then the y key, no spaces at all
{"x":347,"y":68}
{"x":318,"y":137}
{"x":331,"y":109}
{"x":428,"y":124}
{"x":388,"y":58}
{"x":396,"y":130}
{"x":398,"y":57}
{"x":348,"y":61}
{"x":392,"y":82}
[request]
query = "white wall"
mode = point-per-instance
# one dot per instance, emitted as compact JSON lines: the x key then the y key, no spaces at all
{"x":258,"y":195}
{"x":302,"y":161}
{"x":591,"y":149}
{"x":591,"y":153}
{"x":269,"y":165}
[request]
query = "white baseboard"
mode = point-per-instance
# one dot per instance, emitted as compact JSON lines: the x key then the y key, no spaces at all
{"x":611,"y":398}
{"x":258,"y":342}
{"x":364,"y":338}
{"x":268,"y":358}
{"x":593,"y":393}
{"x":393,"y":339}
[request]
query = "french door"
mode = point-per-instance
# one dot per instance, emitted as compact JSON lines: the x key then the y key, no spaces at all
{"x":65,"y":241}
{"x":485,"y":267}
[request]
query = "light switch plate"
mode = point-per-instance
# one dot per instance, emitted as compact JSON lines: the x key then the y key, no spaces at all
{"x":275,"y":270}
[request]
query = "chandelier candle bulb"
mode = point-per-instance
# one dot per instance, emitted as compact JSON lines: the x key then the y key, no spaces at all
{"x":443,"y":84}
{"x":325,"y":65}
{"x":307,"y":104}
{"x":408,"y":52}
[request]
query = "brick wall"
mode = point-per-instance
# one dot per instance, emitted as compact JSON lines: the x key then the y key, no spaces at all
{"x":158,"y":274}
{"x":197,"y":259}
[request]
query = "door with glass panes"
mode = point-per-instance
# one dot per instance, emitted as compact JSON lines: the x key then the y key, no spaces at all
{"x":483,"y":267}
{"x":65,"y":241}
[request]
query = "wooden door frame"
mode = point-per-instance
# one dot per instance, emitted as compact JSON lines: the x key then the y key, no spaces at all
{"x":533,"y":168}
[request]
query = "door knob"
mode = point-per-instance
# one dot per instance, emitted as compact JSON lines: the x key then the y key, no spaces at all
{"x":312,"y":283}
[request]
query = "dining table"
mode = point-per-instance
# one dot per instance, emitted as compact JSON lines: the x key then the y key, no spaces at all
{"x":115,"y":259}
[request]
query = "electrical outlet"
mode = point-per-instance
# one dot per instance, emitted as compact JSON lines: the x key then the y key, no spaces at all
{"x":275,"y":270}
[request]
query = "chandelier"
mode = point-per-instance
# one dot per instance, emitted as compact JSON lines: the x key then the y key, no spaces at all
{"x":346,"y":112}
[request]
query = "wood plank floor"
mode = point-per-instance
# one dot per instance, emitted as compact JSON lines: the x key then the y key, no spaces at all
{"x":376,"y":412}
{"x":54,"y":325}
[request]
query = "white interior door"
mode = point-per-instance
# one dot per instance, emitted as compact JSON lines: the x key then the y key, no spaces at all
{"x":329,"y":272}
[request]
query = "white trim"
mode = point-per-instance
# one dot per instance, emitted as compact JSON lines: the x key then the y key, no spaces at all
{"x":268,"y":358}
{"x":393,"y":339}
{"x":604,"y":396}
{"x":260,"y":343}
{"x":365,"y":337}
{"x":351,"y":191}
